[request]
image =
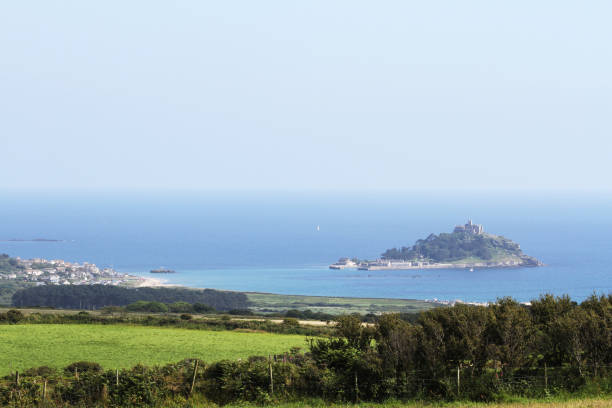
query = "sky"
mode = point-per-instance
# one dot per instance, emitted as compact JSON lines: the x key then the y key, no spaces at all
{"x":291,"y":95}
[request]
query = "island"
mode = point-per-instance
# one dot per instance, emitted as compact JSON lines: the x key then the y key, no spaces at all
{"x":32,"y":240}
{"x":468,"y":246}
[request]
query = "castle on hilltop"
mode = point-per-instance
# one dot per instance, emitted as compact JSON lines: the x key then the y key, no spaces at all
{"x":475,"y":229}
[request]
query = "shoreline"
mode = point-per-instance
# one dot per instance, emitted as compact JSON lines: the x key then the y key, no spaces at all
{"x":399,"y":266}
{"x":523,"y":261}
{"x":374,"y":301}
{"x":315,"y":302}
{"x":146,"y":282}
{"x":269,"y":302}
{"x":157,"y":283}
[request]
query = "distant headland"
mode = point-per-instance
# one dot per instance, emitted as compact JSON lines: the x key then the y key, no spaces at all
{"x":32,"y":240}
{"x":468,"y":246}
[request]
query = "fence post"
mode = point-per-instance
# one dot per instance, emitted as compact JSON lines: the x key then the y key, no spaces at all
{"x":356,"y":388}
{"x":195,"y":372}
{"x":271,"y":376}
{"x":546,"y":378}
{"x":104,"y":394}
{"x":117,"y":377}
{"x":458,"y":380}
{"x":45,"y":390}
{"x":17,"y":377}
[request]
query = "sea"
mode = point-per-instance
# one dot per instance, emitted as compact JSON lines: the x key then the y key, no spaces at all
{"x":283,"y":242}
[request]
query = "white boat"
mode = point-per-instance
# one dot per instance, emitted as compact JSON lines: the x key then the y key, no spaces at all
{"x":342,"y":264}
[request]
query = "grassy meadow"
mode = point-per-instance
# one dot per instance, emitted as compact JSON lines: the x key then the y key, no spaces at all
{"x":552,"y":403}
{"x":123,"y":346}
{"x":269,"y":302}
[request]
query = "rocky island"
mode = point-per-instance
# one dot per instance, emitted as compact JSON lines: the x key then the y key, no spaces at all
{"x":468,"y":246}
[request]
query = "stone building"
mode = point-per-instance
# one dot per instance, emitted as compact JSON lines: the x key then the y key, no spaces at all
{"x":475,"y":229}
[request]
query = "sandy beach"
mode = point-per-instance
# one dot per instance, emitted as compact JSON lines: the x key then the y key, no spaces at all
{"x":151,"y":283}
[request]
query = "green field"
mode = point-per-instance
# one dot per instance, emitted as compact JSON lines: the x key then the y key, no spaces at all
{"x":269,"y":302}
{"x":119,"y":346}
{"x":552,"y":403}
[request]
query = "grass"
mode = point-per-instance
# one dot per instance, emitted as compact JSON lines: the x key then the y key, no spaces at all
{"x":268,"y":302}
{"x":553,"y":403}
{"x":123,"y":346}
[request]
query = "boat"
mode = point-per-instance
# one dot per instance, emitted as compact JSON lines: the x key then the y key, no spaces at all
{"x":162,"y":271}
{"x":342,"y":264}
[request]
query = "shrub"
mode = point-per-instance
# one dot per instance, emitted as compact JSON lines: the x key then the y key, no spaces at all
{"x":83,"y":316}
{"x":42,"y":371}
{"x":34,"y":317}
{"x":240,"y":312}
{"x":202,"y":308}
{"x":291,"y":322}
{"x":180,"y":307}
{"x":109,"y":310}
{"x":144,"y":306}
{"x":83,"y":367}
{"x":14,"y":316}
{"x":186,"y":316}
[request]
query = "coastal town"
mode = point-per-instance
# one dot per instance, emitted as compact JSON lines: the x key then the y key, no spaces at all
{"x":58,"y":272}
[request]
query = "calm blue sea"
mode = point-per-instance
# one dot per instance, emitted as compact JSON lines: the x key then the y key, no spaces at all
{"x":269,"y":241}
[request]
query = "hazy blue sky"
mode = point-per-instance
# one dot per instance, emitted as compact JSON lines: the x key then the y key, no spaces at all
{"x":306,"y":95}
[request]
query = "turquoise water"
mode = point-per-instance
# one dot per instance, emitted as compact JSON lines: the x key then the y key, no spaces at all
{"x":270,"y":242}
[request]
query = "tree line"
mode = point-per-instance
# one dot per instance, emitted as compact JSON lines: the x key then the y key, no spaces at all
{"x":99,"y":296}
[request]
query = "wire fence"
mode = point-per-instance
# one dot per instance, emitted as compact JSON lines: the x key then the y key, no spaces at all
{"x":449,"y":383}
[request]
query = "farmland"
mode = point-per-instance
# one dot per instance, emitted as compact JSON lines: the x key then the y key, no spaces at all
{"x":350,"y":362}
{"x":122,"y":346}
{"x":269,"y":302}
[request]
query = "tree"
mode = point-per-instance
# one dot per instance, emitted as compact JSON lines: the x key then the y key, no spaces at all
{"x":512,"y":331}
{"x":356,"y":334}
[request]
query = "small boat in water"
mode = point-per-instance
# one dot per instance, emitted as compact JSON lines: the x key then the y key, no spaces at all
{"x":162,"y":271}
{"x":343,"y":263}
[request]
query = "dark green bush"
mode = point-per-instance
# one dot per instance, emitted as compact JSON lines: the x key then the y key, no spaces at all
{"x":291,"y":322}
{"x":180,"y":307}
{"x":42,"y":371}
{"x":240,"y":312}
{"x":83,"y":367}
{"x":14,"y":316}
{"x":144,"y":306}
{"x":202,"y":308}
